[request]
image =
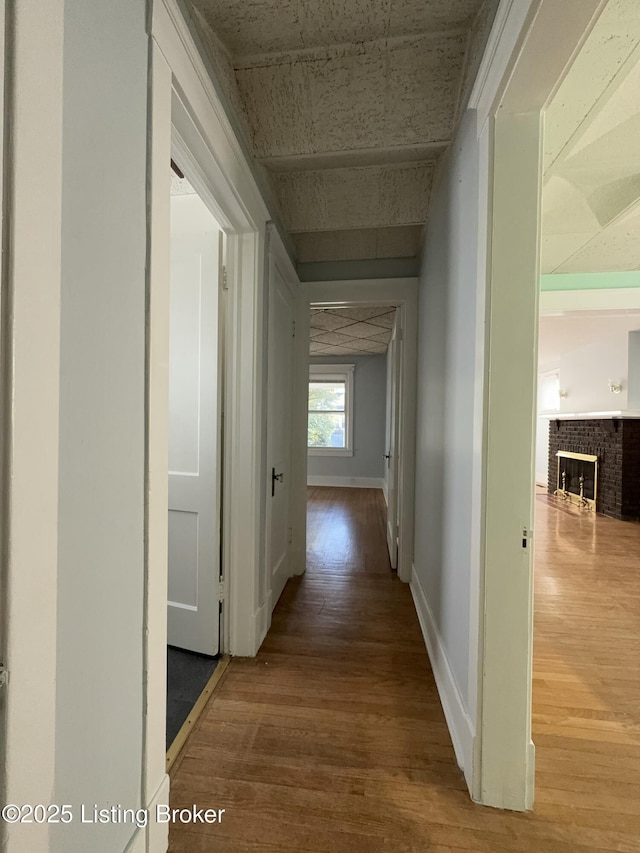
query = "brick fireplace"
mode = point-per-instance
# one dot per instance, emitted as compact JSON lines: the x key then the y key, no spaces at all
{"x":616,"y":443}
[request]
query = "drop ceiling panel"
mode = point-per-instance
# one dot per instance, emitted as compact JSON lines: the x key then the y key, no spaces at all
{"x":364,"y":330}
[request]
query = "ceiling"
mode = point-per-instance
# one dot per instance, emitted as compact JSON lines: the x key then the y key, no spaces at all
{"x":591,"y":188}
{"x":351,"y":331}
{"x":346,"y":105}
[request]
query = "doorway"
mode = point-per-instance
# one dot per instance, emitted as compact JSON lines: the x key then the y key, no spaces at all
{"x":353,"y":417}
{"x":511,"y":96}
{"x":196,"y":393}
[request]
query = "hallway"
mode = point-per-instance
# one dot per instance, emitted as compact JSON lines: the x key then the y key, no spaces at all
{"x":333,"y":738}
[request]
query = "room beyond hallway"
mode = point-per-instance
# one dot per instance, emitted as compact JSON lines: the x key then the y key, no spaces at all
{"x":333,"y":740}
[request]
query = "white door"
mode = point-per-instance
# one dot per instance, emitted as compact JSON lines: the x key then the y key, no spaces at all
{"x":194,"y":428}
{"x":279,"y":432}
{"x":392,"y":456}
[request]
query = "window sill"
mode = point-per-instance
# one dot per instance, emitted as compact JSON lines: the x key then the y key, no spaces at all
{"x":329,"y":451}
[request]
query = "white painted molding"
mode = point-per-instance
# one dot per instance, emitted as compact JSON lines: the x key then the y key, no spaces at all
{"x":460,"y":726}
{"x":346,"y":482}
{"x":158,"y":833}
{"x":172,"y":35}
{"x":499,"y":55}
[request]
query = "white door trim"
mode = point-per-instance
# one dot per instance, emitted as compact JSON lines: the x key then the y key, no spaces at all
{"x":511,"y":92}
{"x":30,"y":381}
{"x":403,"y":294}
{"x":278,"y":259}
{"x":183,"y":96}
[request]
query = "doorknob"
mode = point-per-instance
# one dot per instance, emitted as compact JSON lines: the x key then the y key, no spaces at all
{"x":279,"y":477}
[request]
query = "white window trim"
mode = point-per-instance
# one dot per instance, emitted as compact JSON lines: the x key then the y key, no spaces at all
{"x":337,"y":372}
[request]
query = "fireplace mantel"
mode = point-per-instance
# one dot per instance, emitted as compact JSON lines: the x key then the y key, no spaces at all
{"x":591,"y":416}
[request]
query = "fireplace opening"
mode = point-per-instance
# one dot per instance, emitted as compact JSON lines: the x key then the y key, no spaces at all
{"x":577,"y":478}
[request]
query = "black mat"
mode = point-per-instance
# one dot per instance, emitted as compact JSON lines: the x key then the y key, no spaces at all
{"x":187,"y":676}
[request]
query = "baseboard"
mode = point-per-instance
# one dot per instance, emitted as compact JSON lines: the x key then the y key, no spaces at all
{"x":346,"y":482}
{"x":461,"y":729}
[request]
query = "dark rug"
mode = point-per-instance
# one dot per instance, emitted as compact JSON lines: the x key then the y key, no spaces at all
{"x":187,"y":676}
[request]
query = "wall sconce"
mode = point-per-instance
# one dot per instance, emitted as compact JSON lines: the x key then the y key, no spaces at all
{"x":563,"y":394}
{"x":615,"y":387}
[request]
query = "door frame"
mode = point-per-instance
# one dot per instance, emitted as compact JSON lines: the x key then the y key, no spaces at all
{"x":510,"y":94}
{"x":278,"y":259}
{"x":402,"y":294}
{"x":186,"y":113}
{"x":31,"y":199}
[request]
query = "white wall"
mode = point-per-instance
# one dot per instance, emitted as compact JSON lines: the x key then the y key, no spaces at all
{"x":369,"y":414}
{"x":445,"y":450}
{"x":603,"y":353}
{"x":99,"y":716}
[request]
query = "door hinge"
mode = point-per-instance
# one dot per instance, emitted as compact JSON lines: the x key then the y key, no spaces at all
{"x":526,"y":536}
{"x":4,"y":675}
{"x":293,"y":328}
{"x":400,"y":334}
{"x":290,"y":536}
{"x":225,"y":280}
{"x":221,"y":590}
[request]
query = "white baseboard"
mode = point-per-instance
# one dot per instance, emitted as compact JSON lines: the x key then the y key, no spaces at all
{"x":347,"y":482}
{"x":461,"y":728}
{"x":154,"y":837}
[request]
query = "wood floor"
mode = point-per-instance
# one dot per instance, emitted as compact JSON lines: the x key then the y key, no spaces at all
{"x":333,"y":740}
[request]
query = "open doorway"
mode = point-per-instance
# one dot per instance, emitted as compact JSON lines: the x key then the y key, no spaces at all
{"x":353,"y":434}
{"x":196,"y":374}
{"x":587,"y":464}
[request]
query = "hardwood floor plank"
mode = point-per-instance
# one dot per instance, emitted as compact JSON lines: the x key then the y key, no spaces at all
{"x":333,"y":740}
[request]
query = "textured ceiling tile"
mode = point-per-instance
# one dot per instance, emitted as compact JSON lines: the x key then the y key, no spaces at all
{"x":403,"y":242}
{"x":385,"y":320}
{"x":358,"y":244}
{"x":367,"y":96}
{"x":431,"y":15}
{"x":254,"y":25}
{"x":371,"y":197}
{"x":348,"y":112}
{"x":262,"y":26}
{"x":314,"y":346}
{"x":358,"y":314}
{"x":356,"y":157}
{"x":342,"y":351}
{"x":383,"y":338}
{"x":422,"y":88}
{"x":334,"y":338}
{"x":367,"y":346}
{"x":405,"y":193}
{"x":278,"y":108}
{"x":328,"y":322}
{"x":361,"y":330}
{"x":335,"y":245}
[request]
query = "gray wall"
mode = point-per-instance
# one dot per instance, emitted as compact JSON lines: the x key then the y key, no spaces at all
{"x":369,"y":386}
{"x":101,"y":558}
{"x":446,"y":366}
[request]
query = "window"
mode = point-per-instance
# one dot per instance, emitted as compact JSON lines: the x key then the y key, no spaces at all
{"x":330,"y":423}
